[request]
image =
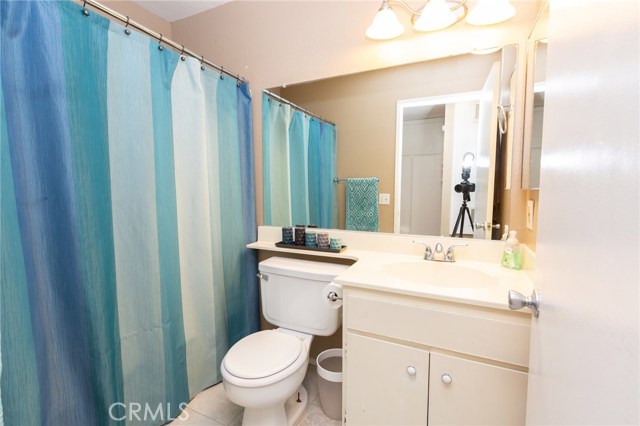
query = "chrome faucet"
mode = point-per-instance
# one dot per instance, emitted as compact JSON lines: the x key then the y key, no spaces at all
{"x":437,"y":254}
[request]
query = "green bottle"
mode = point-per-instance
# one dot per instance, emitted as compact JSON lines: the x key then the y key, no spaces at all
{"x":512,"y":255}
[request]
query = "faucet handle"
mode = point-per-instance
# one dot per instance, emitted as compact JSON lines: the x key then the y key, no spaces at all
{"x":438,"y":248}
{"x":450,"y":254}
{"x":428,"y":253}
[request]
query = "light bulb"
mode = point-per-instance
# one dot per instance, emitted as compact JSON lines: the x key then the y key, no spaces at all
{"x":435,"y":15}
{"x":467,"y":160}
{"x":385,"y":24}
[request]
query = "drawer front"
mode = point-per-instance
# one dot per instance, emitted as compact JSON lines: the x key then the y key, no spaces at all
{"x":481,"y":333}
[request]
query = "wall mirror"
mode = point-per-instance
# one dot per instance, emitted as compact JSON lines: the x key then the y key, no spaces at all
{"x":365,"y":108}
{"x":534,"y":106}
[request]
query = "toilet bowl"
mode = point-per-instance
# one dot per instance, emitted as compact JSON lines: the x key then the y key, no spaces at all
{"x":263,"y":370}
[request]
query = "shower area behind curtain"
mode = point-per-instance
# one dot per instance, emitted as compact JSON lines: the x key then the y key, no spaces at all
{"x":127,"y":199}
{"x":299,"y":165}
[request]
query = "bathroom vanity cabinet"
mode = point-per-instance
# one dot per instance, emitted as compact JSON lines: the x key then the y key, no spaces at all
{"x":416,"y":361}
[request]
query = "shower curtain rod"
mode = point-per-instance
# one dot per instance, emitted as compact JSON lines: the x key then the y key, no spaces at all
{"x":161,"y":39}
{"x":299,"y":108}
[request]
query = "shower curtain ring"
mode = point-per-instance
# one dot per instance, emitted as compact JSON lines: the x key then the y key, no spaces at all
{"x":85,"y":12}
{"x":160,"y":47}
{"x":182,"y":58}
{"x":221,"y":73}
{"x":202,"y":62}
{"x":127,"y":31}
{"x":237,"y":80}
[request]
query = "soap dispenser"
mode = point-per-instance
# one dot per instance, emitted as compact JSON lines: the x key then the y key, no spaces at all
{"x":512,"y":255}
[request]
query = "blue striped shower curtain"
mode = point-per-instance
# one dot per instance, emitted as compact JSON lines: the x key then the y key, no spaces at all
{"x":127,"y":199}
{"x":299,"y":164}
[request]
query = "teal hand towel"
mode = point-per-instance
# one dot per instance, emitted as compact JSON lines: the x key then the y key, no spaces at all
{"x":362,"y":204}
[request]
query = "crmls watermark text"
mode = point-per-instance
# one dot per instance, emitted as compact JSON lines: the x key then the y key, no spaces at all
{"x":119,"y":411}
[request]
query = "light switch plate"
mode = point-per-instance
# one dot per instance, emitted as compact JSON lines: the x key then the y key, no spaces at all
{"x":530,"y":206}
{"x":384,"y":199}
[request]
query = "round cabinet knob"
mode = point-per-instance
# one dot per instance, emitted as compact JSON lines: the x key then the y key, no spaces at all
{"x":446,"y":379}
{"x":411,"y":370}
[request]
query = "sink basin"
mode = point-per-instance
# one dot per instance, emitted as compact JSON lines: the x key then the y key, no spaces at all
{"x":439,"y":274}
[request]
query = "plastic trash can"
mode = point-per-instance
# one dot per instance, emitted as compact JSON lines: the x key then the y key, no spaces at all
{"x":329,"y":365}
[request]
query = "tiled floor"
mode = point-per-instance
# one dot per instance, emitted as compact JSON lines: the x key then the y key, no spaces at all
{"x":212,"y":408}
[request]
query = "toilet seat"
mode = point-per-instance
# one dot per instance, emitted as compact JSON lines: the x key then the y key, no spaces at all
{"x":262,"y":354}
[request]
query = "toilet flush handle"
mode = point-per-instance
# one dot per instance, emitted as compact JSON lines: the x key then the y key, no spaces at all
{"x":262,"y":276}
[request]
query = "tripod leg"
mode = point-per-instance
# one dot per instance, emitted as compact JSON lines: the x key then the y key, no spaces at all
{"x":470,"y":221}
{"x":462,"y":210}
{"x":460,"y":216}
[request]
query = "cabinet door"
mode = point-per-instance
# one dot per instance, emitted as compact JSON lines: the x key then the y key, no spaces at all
{"x":478,"y":394}
{"x":386,"y":383}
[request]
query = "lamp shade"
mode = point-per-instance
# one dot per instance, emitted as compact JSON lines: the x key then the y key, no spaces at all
{"x":385,"y":24}
{"x":489,"y":12}
{"x":435,"y":16}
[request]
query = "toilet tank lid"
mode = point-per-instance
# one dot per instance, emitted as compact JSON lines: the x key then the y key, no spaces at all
{"x":298,"y":268}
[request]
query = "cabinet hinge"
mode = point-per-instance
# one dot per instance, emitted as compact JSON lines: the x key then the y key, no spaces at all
{"x":345,"y":417}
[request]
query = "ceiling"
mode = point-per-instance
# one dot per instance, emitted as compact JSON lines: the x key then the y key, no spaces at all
{"x":174,"y":10}
{"x":423,"y":112}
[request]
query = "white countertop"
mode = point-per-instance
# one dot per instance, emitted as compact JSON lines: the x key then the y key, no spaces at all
{"x":372,"y":269}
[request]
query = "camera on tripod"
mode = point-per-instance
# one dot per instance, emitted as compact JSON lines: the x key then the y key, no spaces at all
{"x":466,"y":188}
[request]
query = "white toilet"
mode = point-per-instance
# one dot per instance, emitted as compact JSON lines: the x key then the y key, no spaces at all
{"x":264,"y":371}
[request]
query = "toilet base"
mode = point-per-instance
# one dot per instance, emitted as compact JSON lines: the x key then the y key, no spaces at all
{"x":287,"y":414}
{"x":293,"y":408}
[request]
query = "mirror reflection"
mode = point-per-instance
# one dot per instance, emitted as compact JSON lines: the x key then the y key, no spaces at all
{"x":537,"y":114}
{"x":458,"y":138}
{"x":366,"y":109}
{"x":534,"y":108}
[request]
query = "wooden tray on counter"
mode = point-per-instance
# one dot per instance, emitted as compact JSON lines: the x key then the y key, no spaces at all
{"x":306,"y":248}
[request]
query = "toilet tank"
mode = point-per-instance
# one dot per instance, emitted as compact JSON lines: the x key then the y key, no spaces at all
{"x":292,"y":297}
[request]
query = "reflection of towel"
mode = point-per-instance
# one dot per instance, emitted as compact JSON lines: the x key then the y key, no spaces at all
{"x":362,"y":204}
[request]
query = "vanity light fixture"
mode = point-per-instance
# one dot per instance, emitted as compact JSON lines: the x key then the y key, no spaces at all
{"x":437,"y":15}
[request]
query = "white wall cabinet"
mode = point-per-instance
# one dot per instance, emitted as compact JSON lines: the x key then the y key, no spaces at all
{"x":415,"y":361}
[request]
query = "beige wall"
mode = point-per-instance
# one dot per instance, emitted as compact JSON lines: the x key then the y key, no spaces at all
{"x":272,"y":43}
{"x":364,"y":108}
